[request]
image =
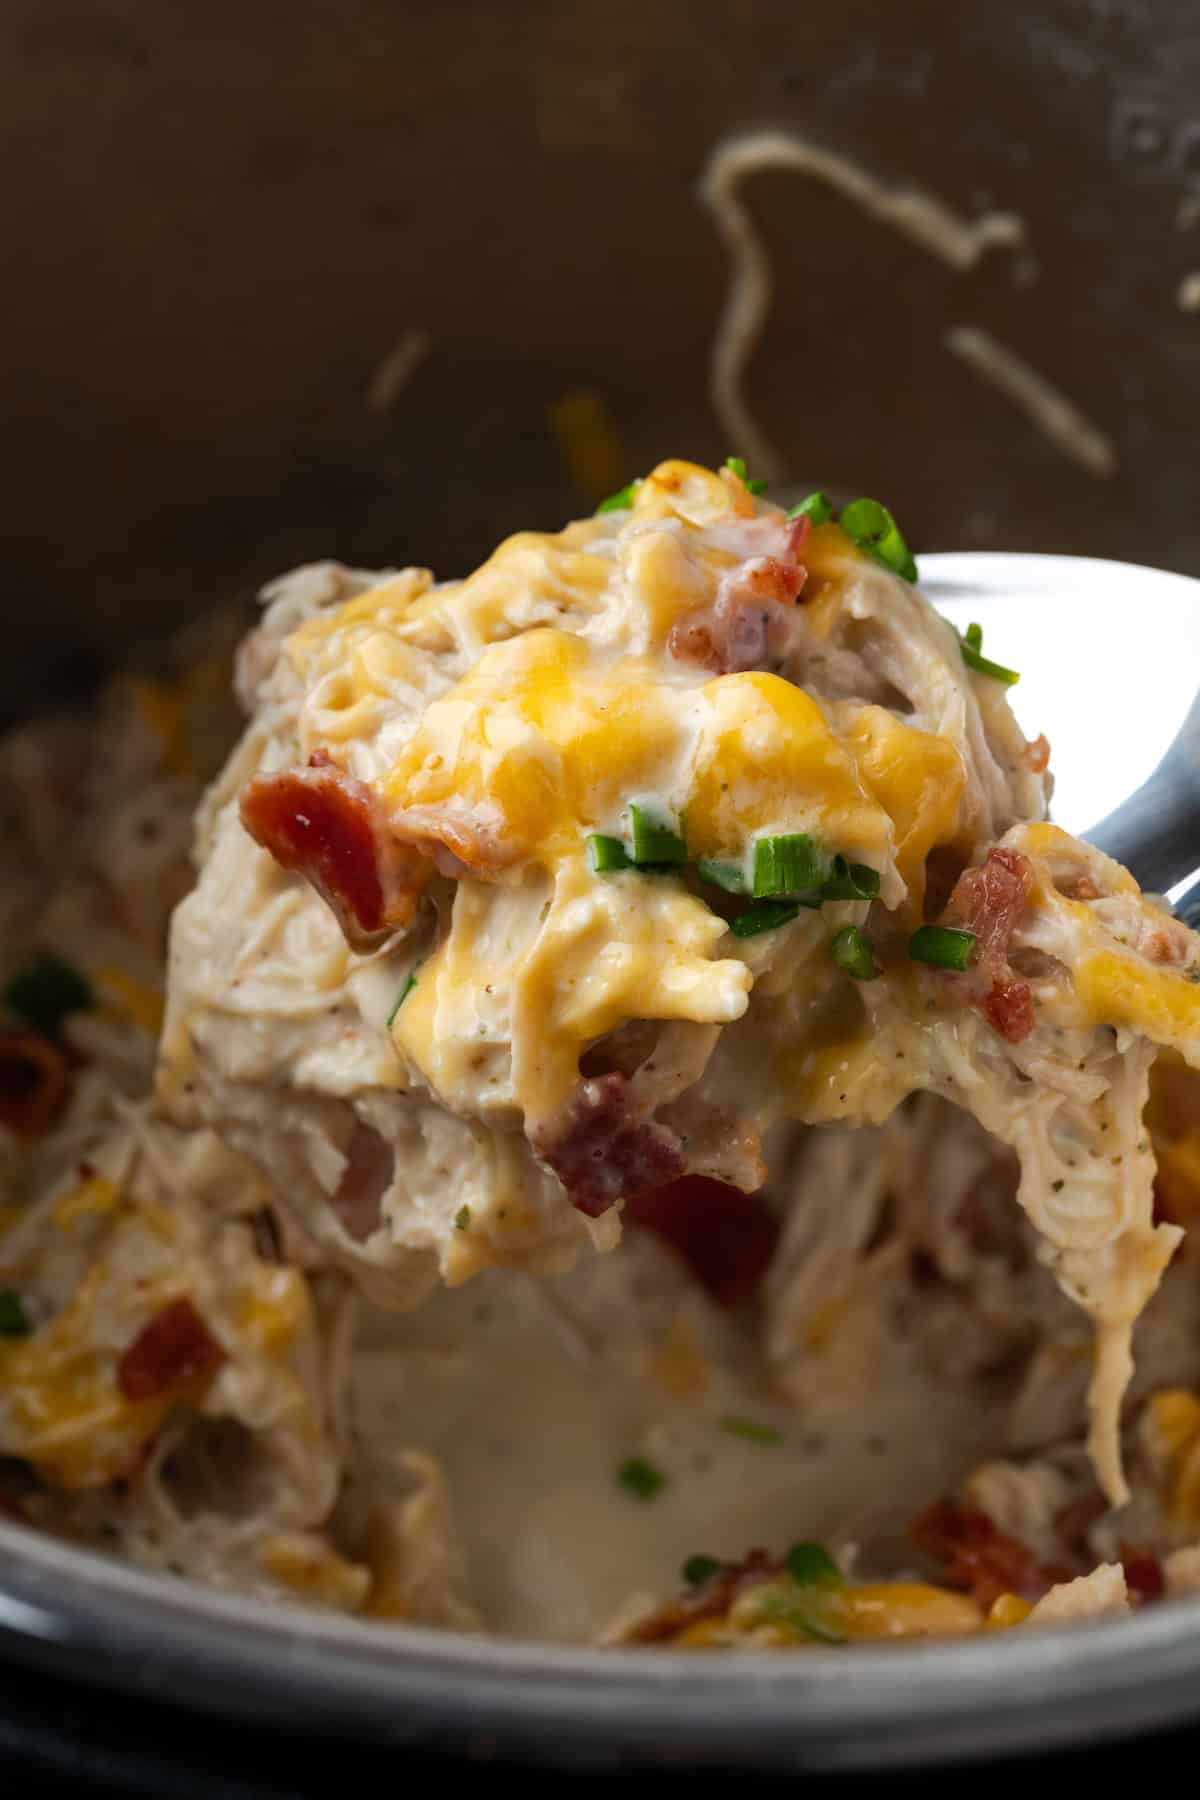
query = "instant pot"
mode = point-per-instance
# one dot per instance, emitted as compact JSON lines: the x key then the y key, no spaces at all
{"x":386,"y":281}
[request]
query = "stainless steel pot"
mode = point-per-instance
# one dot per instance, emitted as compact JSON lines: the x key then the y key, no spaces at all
{"x":386,"y":281}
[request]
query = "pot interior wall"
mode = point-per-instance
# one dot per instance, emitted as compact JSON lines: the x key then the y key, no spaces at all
{"x":385,"y":282}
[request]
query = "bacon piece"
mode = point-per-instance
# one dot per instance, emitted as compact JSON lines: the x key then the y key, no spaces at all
{"x":734,"y":634}
{"x":726,"y":1237}
{"x":175,"y":1347}
{"x":370,"y":1165}
{"x":602,"y":1153}
{"x":331,"y":828}
{"x":712,"y":1600}
{"x":1037,"y":754}
{"x":35,"y":1082}
{"x":979,"y":1558}
{"x":1143,"y":1573}
{"x":989,"y":901}
{"x":1008,"y":1008}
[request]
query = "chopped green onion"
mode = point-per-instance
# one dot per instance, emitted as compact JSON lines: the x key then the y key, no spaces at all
{"x":462,"y":1218}
{"x":874,"y":530}
{"x":622,"y":500}
{"x":853,"y":954}
{"x":972,"y":648}
{"x":728,"y":875}
{"x":750,"y":1429}
{"x":46,"y":991}
{"x":402,"y":996}
{"x":606,"y":854}
{"x":14,"y":1320}
{"x":753,"y":484}
{"x":654,"y":839}
{"x":942,"y":946}
{"x":640,"y":1478}
{"x":769,"y":914}
{"x":810,"y":1564}
{"x":699,"y":1569}
{"x":817,"y":507}
{"x":787,"y":865}
{"x":850,"y":881}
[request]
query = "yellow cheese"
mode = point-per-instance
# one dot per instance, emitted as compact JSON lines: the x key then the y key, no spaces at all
{"x":1179,"y":1177}
{"x":65,"y":1413}
{"x":125,"y":994}
{"x":91,"y":1199}
{"x":387,"y":605}
{"x":1006,"y":1611}
{"x":1122,"y":990}
{"x":591,"y":449}
{"x":918,"y":779}
{"x":276,"y":1309}
{"x":1174,"y":1426}
{"x":685,"y":491}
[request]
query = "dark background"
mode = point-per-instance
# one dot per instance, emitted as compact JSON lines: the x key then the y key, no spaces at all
{"x":219,"y":218}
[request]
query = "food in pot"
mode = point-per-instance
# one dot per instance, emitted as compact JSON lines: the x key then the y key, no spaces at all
{"x":643,"y":1087}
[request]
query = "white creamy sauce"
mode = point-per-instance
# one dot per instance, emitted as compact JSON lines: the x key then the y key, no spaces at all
{"x":532,"y":1418}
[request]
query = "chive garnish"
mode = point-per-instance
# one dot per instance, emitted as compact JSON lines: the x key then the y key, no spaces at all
{"x":768,"y":915}
{"x":817,"y":507}
{"x":750,"y":1429}
{"x":942,"y":946}
{"x":874,"y":530}
{"x":789,"y":865}
{"x":853,"y":954}
{"x":850,"y":881}
{"x":753,"y":484}
{"x":809,"y":1564}
{"x":46,"y":991}
{"x":462,"y":1218}
{"x":655,"y":840}
{"x":622,"y":500}
{"x":606,"y":854}
{"x":640,"y":1478}
{"x":14,"y":1320}
{"x":699,"y":1569}
{"x":402,"y":996}
{"x":728,"y":875}
{"x":972,"y":655}
{"x":810,"y":1567}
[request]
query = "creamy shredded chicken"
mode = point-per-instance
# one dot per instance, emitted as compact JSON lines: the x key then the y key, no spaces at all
{"x":561,"y":1154}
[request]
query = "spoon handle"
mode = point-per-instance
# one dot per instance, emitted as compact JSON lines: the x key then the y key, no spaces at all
{"x":1156,"y":831}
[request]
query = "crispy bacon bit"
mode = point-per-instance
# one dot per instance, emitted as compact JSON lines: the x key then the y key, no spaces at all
{"x":1143,"y":1574}
{"x":35,"y":1082}
{"x":1008,"y":1009}
{"x":712,"y":1600}
{"x":1037,"y":754}
{"x":726,"y":1237}
{"x":989,"y":901}
{"x":370,"y":1165}
{"x":176,"y":1347}
{"x":735,"y":633}
{"x":601,"y":1153}
{"x":977,"y":1557}
{"x":330,"y":828}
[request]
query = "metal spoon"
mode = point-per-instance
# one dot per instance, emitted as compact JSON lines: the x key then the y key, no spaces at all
{"x":1109,"y":657}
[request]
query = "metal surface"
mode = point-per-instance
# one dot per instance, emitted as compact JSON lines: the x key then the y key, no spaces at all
{"x":70,"y":1611}
{"x":1109,"y":658}
{"x":220,"y":221}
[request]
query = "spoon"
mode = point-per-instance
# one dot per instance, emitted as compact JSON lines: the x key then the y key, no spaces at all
{"x":1109,"y":658}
